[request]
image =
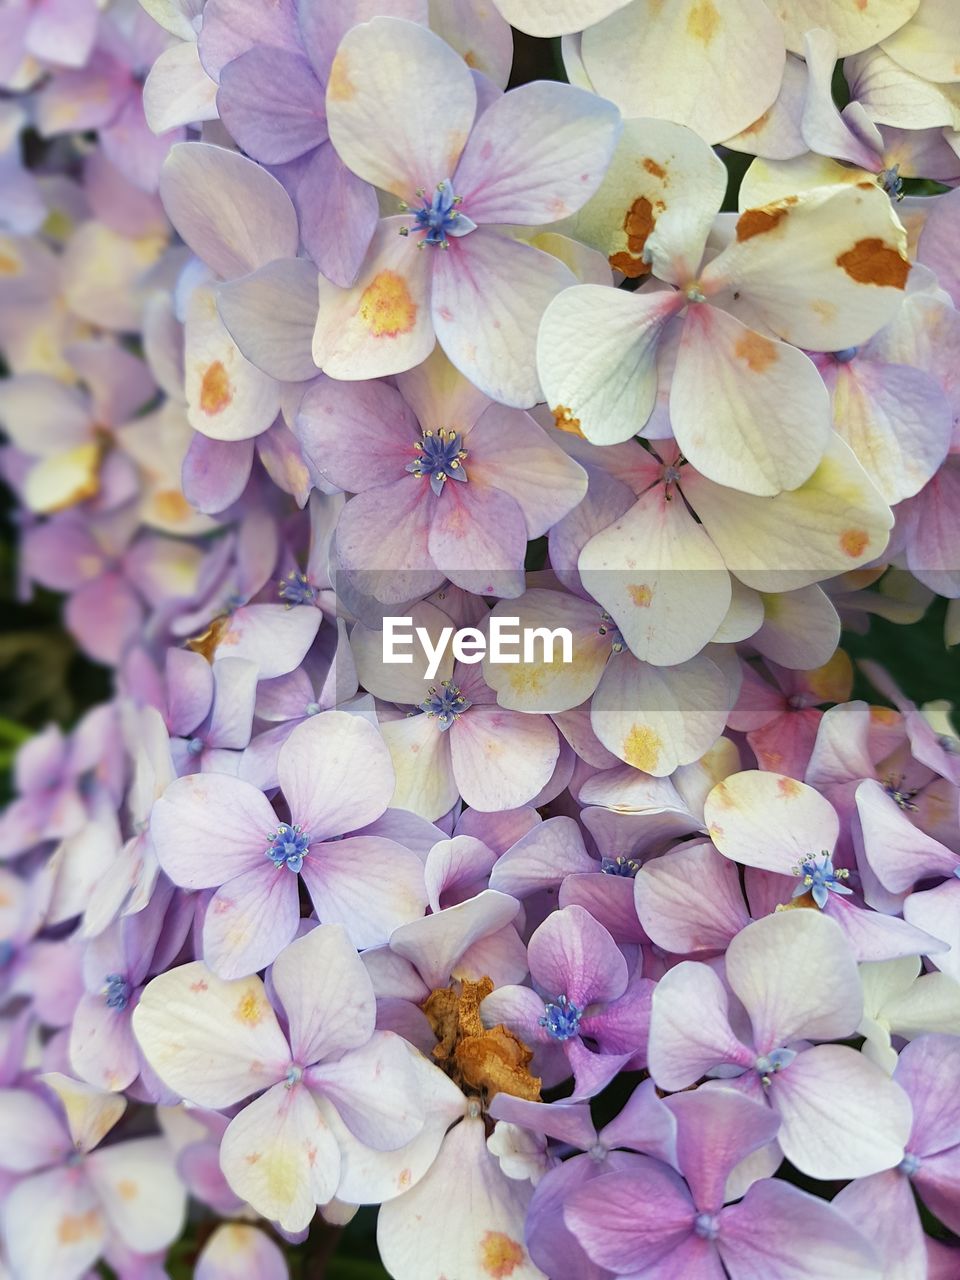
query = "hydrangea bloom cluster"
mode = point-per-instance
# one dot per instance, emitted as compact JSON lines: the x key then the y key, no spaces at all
{"x":641,"y":963}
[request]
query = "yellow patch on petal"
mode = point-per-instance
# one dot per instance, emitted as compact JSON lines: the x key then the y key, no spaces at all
{"x":281,"y":1175}
{"x":172,"y":506}
{"x":74,"y":1227}
{"x":833,"y":681}
{"x":641,"y":747}
{"x":386,"y":307}
{"x":641,"y":595}
{"x":251,"y":1008}
{"x":756,"y":351}
{"x":884,"y":715}
{"x":703,"y":21}
{"x":872,"y":261}
{"x":340,"y":88}
{"x":9,"y":265}
{"x":526,"y":679}
{"x":215,"y":389}
{"x":500,"y":1255}
{"x":64,"y":479}
{"x":127,"y":1190}
{"x":789,"y":788}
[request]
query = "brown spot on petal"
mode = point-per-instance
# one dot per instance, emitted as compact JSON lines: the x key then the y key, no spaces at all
{"x":641,"y":595}
{"x":215,"y":389}
{"x":207,"y":642}
{"x":470,"y":58}
{"x":873,"y":261}
{"x":703,"y":21}
{"x":641,"y":748}
{"x":757,"y":352}
{"x":656,"y":170}
{"x":485,"y":1060}
{"x":638,"y":223}
{"x":565,"y":420}
{"x":500,"y":1255}
{"x":386,"y":307}
{"x":853,"y":542}
{"x":789,"y":788}
{"x":755,"y":222}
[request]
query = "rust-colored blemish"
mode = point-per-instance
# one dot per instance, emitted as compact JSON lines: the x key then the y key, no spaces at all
{"x":565,"y":420}
{"x":853,"y":542}
{"x":386,"y":307}
{"x":74,"y":1227}
{"x":206,"y":642}
{"x":654,"y":169}
{"x":500,"y":1255}
{"x":638,"y":223}
{"x":872,"y":261}
{"x":755,"y":222}
{"x":789,"y":788}
{"x":215,"y":390}
{"x":756,"y":351}
{"x":486,"y":1060}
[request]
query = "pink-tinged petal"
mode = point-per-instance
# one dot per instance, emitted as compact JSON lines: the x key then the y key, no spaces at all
{"x":271,"y":315}
{"x":338,"y":215}
{"x":780,"y":1230}
{"x":660,"y":577}
{"x":934,"y":543}
{"x":102,"y":1048}
{"x":937,"y":1181}
{"x":629,"y":1221}
{"x":502,"y":759}
{"x":536,"y":155}
{"x":457,"y":869}
{"x":421,"y":758}
{"x":570,"y":954}
{"x":237,"y":1251}
{"x":596,"y":357}
{"x":489,"y":294}
{"x":120,"y":384}
{"x":326,"y":994}
{"x":209,"y":828}
{"x":853,"y":28}
{"x":189,"y":681}
{"x":215,"y":472}
{"x":656,"y":718}
{"x":231,"y":27}
{"x":882,"y":1207}
{"x":335,"y":773}
{"x":896,"y":419}
{"x":925,"y":1069}
{"x":52,"y":1225}
{"x":899,"y":853}
{"x":622,"y":1027}
{"x":512,"y":452}
{"x":807,"y":984}
{"x":368,"y":884}
{"x":382,"y":541}
{"x":769,"y":821}
{"x":231,"y":212}
{"x":274,"y":636}
{"x":134,"y":149}
{"x":872,"y":935}
{"x":31,"y":1134}
{"x":374,"y":1091}
{"x":272,"y":104}
{"x":481,"y":1229}
{"x":382,"y":324}
{"x":690,"y":1030}
{"x":769,"y":429}
{"x":213,"y":1042}
{"x":542,"y":858}
{"x":519,"y":1009}
{"x":105,"y":616}
{"x":140,"y":1191}
{"x":63,"y":31}
{"x":478,"y":538}
{"x":383,"y":125}
{"x":716,"y":1129}
{"x":841,"y":1116}
{"x":279,"y":1155}
{"x":85,"y":98}
{"x":690,"y":900}
{"x":801,"y":629}
{"x":250,"y":920}
{"x":236,"y":692}
{"x":435,"y":943}
{"x":358,"y":435}
{"x":228,"y":398}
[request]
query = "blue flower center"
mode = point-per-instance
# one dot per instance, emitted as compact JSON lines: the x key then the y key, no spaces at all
{"x":117,"y":994}
{"x":440,"y":456}
{"x":846,"y":355}
{"x":296,"y":588}
{"x":768,"y":1064}
{"x":891,"y":182}
{"x":195,"y":746}
{"x":294,"y":1075}
{"x":909,"y":1164}
{"x":561,"y":1019}
{"x":707,"y":1226}
{"x":6,"y":953}
{"x":439,"y":217}
{"x":312,"y":709}
{"x":288,"y":847}
{"x":610,"y":629}
{"x":619,"y":866}
{"x":818,"y":878}
{"x":445,"y":702}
